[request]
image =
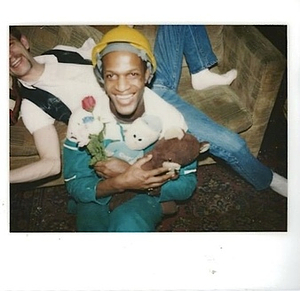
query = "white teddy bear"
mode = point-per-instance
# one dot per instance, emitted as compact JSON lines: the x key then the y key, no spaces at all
{"x":143,"y":132}
{"x":83,"y":123}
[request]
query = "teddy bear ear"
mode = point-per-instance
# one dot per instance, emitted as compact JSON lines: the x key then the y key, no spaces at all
{"x":174,"y":132}
{"x":204,"y":146}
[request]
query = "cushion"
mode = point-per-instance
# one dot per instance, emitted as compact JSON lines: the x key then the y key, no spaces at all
{"x":220,"y":103}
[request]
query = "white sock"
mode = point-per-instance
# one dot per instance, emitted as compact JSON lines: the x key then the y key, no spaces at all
{"x":205,"y":79}
{"x":279,"y":184}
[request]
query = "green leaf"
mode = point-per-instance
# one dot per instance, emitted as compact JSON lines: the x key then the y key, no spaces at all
{"x":96,"y":148}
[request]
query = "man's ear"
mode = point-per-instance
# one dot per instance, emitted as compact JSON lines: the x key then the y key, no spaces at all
{"x":25,"y":42}
{"x":148,"y":76}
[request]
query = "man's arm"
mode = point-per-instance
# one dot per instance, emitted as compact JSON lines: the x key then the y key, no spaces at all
{"x":183,"y":187}
{"x":134,"y":178}
{"x":48,"y":147}
{"x":111,"y":167}
{"x":84,"y":185}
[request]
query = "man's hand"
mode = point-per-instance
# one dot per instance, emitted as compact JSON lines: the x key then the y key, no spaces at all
{"x":134,"y":178}
{"x":111,"y":168}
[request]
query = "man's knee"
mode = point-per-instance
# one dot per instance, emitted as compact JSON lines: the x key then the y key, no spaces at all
{"x":91,"y":217}
{"x":136,"y":215}
{"x":129,"y":223}
{"x":83,"y":225}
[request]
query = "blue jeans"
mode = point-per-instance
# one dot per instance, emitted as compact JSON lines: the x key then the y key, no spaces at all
{"x":172,"y":42}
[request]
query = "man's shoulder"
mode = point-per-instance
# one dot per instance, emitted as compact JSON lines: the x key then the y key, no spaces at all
{"x":33,"y":116}
{"x":154,"y":101}
{"x":149,"y":93}
{"x":156,"y":105}
{"x":152,"y":98}
{"x":46,"y":59}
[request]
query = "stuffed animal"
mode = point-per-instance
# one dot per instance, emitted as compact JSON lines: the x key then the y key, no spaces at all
{"x":175,"y":150}
{"x":143,"y":132}
{"x":83,"y":123}
{"x":86,"y":129}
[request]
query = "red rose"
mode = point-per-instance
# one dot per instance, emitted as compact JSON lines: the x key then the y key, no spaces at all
{"x":88,"y":103}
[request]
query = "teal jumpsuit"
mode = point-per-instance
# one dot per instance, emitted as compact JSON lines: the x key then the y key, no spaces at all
{"x":140,"y":214}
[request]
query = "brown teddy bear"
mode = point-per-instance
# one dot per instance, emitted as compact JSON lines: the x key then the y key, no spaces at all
{"x":175,"y":150}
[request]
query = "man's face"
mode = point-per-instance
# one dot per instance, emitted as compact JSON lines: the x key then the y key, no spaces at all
{"x":125,"y":77}
{"x":20,"y":60}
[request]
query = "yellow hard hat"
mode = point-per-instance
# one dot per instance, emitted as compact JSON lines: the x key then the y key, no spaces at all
{"x":124,"y":34}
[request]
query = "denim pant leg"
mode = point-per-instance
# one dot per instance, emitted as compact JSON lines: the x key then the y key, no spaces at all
{"x":168,"y":51}
{"x":197,"y":49}
{"x":174,"y":41}
{"x":140,"y":214}
{"x":224,"y":143}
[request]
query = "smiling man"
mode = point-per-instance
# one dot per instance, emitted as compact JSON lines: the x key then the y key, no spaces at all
{"x":63,"y":85}
{"x":25,"y":68}
{"x":21,"y":63}
{"x":43,"y":79}
{"x":124,"y":83}
{"x":124,"y":66}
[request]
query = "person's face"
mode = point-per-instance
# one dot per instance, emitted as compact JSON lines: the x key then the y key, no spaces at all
{"x":20,"y":60}
{"x":125,"y":77}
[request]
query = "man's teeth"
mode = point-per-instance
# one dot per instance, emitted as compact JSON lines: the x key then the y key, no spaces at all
{"x":124,"y":98}
{"x":16,"y":62}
